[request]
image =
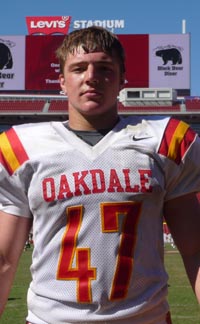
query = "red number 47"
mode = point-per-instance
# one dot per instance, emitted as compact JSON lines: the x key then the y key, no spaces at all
{"x":82,"y":271}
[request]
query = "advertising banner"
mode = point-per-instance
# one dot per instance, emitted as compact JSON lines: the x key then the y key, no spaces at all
{"x":152,"y":61}
{"x":169,"y":61}
{"x":48,"y":25}
{"x":42,"y":68}
{"x":12,"y":62}
{"x":137,"y":59}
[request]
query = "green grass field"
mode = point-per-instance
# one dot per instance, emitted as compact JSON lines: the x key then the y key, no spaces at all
{"x":184,"y":307}
{"x":183,"y":304}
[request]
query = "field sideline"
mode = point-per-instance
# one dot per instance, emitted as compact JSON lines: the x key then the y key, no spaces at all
{"x":184,"y":307}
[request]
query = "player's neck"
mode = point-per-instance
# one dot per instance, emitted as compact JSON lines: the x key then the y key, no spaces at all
{"x":90,"y":123}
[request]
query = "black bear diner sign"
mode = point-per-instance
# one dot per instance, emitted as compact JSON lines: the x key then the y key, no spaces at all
{"x":170,"y":55}
{"x":169,"y":60}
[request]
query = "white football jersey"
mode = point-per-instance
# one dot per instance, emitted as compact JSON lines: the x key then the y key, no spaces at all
{"x":97,"y":215}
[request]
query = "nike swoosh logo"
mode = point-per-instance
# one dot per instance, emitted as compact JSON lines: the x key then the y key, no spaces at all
{"x":135,"y":138}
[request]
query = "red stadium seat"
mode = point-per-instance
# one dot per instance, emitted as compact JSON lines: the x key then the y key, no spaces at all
{"x":58,"y":106}
{"x":21,"y":106}
{"x":192,"y":104}
{"x":148,"y":109}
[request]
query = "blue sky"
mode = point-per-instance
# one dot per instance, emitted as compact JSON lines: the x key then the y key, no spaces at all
{"x":140,"y":17}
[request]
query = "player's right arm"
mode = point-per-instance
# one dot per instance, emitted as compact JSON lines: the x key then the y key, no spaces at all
{"x":14,"y":232}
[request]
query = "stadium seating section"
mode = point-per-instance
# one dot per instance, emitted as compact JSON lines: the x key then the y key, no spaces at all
{"x":21,"y":106}
{"x":59,"y":105}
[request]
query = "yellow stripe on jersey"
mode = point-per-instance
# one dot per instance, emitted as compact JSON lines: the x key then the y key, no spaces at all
{"x":177,"y":139}
{"x":8,"y":152}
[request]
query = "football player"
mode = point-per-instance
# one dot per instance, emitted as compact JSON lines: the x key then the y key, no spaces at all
{"x":96,"y":188}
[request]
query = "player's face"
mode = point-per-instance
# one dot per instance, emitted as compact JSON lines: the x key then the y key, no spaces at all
{"x":92,"y":82}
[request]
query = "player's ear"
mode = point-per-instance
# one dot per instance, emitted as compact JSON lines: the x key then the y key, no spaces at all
{"x":62,"y":83}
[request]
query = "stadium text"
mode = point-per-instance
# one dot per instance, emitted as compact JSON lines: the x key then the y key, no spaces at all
{"x":6,"y":75}
{"x":52,"y":81}
{"x":170,"y":70}
{"x":48,"y":24}
{"x":102,"y":23}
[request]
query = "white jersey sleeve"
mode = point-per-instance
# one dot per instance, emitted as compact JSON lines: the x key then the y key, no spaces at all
{"x":177,"y":152}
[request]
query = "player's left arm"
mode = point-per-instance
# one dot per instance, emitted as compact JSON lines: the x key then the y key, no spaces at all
{"x":183,"y":218}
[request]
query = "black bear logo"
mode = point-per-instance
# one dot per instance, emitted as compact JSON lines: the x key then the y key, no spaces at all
{"x":6,"y":60}
{"x":170,"y":54}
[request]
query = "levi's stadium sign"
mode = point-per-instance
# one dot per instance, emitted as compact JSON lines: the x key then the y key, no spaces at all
{"x":48,"y":25}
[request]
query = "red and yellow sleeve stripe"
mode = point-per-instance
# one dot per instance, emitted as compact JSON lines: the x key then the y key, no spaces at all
{"x":177,"y":138}
{"x":12,"y":152}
